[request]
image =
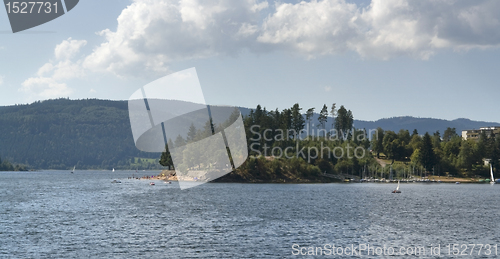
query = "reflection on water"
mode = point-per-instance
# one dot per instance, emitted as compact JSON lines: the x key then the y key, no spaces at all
{"x":63,"y":215}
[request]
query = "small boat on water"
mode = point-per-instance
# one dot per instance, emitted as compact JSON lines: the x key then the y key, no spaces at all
{"x":73,"y":169}
{"x":113,"y":170}
{"x":116,"y":181}
{"x":151,"y":183}
{"x":491,"y":175}
{"x":397,"y":189}
{"x":457,"y":182}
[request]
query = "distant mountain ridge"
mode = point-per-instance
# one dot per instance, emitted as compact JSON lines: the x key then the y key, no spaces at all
{"x":423,"y":125}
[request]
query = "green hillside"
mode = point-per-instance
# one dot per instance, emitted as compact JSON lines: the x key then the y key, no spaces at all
{"x":62,"y":133}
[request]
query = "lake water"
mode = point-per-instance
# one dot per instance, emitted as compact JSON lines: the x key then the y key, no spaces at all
{"x":83,"y":215}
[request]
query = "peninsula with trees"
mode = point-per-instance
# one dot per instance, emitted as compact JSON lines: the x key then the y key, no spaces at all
{"x":288,"y":146}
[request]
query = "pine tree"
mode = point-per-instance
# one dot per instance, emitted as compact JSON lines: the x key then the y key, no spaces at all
{"x":191,"y":133}
{"x":297,"y":119}
{"x":166,"y":159}
{"x":179,"y":141}
{"x":333,"y":112}
{"x":309,"y":116}
{"x":427,"y":156}
{"x":323,"y":117}
{"x":344,"y":121}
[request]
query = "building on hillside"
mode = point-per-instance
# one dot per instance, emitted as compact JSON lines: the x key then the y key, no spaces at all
{"x":474,"y":134}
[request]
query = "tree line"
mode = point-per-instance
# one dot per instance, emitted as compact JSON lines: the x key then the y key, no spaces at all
{"x":286,"y":130}
{"x":5,"y":165}
{"x":449,"y":153}
{"x":290,"y":130}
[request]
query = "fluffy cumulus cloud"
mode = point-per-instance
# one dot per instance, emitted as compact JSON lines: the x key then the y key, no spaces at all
{"x":50,"y":79}
{"x":384,"y":29}
{"x":151,"y":34}
{"x":313,"y":28}
{"x":420,"y":28}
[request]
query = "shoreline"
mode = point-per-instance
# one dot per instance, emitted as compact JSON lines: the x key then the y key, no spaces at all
{"x":167,"y":175}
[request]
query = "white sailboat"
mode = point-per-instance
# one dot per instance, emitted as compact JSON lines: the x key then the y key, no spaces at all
{"x":113,"y":170}
{"x":397,"y":189}
{"x":492,"y":181}
{"x":73,"y":169}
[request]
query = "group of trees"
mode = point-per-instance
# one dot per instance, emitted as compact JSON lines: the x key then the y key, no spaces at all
{"x":7,"y":166}
{"x":292,"y":122}
{"x":449,"y":153}
{"x":431,"y":153}
{"x":290,"y":131}
{"x":294,"y":138}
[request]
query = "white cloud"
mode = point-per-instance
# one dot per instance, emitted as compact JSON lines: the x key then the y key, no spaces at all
{"x":386,"y":28}
{"x":312,"y":28}
{"x":259,"y":6}
{"x":327,"y":88}
{"x":68,"y":48}
{"x":420,"y":28}
{"x":151,"y":34}
{"x":44,"y":88}
{"x":247,"y":30}
{"x":49,"y":80}
{"x":1,"y":80}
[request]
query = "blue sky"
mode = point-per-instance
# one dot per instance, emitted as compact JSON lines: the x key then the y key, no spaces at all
{"x":378,"y":58}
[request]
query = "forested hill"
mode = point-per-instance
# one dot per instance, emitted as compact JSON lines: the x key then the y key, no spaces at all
{"x":62,"y":133}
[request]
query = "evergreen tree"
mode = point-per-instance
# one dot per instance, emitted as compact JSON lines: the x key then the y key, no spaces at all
{"x":436,"y":140}
{"x":466,"y":155}
{"x":495,"y":154}
{"x":297,"y":118}
{"x":258,"y":114}
{"x":323,"y":117}
{"x":427,"y":156}
{"x":166,"y":159}
{"x":480,"y":149}
{"x":179,"y":141}
{"x":344,"y":121}
{"x":309,"y":116}
{"x":333,"y":112}
{"x":191,"y":133}
{"x":286,"y":119}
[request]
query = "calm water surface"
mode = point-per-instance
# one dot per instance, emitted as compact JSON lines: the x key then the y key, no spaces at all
{"x":83,"y":215}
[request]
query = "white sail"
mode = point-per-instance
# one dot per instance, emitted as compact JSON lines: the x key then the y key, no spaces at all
{"x":491,"y":173}
{"x":397,"y":188}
